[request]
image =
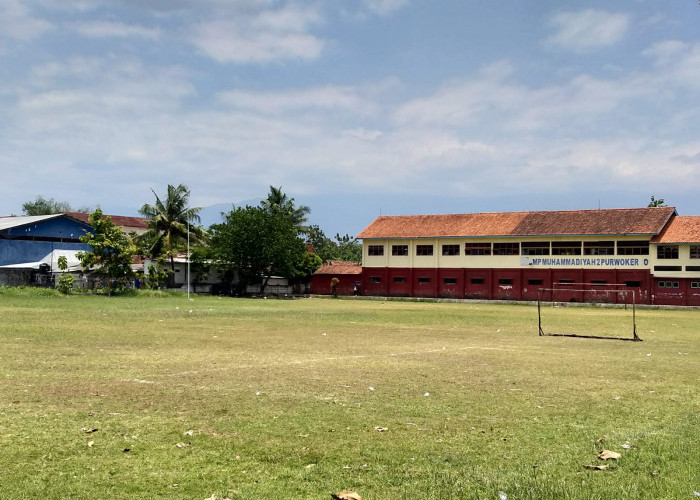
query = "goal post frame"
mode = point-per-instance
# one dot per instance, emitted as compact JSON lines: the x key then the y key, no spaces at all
{"x":542,"y":333}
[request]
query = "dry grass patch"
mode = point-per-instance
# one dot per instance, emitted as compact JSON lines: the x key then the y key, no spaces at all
{"x":283,"y":398}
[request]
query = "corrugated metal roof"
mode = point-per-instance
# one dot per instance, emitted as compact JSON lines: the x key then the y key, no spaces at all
{"x":680,"y":230}
{"x":625,"y":221}
{"x":24,"y":220}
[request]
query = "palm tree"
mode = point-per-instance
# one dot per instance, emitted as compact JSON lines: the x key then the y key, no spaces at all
{"x":278,"y":202}
{"x":170,"y":221}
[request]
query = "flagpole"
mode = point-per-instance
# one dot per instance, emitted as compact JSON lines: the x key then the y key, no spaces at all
{"x":188,"y":260}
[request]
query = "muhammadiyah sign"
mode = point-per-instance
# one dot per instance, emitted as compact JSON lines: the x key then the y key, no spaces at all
{"x":583,"y":262}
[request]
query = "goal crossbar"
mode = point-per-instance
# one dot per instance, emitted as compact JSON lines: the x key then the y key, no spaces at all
{"x":542,"y":291}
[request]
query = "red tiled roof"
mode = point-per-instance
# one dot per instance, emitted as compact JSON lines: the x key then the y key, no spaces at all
{"x":680,"y":230}
{"x":118,"y":220}
{"x":633,"y":221}
{"x":340,"y":267}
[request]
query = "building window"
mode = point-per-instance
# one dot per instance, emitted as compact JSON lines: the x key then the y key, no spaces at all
{"x":399,"y":279}
{"x":668,"y":268}
{"x":668,"y":284}
{"x":535,"y":248}
{"x":375,"y":279}
{"x":632,"y":248}
{"x":667,"y":251}
{"x":695,"y":284}
{"x":692,"y":268}
{"x":450,"y":281}
{"x":566,"y":248}
{"x":477,"y":249}
{"x":598,"y":248}
{"x":505,"y":282}
{"x":633,"y":284}
{"x":399,"y":249}
{"x":424,"y":249}
{"x":534,"y":282}
{"x":450,"y":249}
{"x":506,"y":248}
{"x":695,"y":251}
{"x":477,"y":281}
{"x":375,"y":250}
{"x":423,"y":280}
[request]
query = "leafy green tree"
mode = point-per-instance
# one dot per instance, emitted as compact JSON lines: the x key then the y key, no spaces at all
{"x":344,"y":247}
{"x":349,"y":249}
{"x":169,"y":222}
{"x":45,"y":206}
{"x":256,"y":244}
{"x":279,"y":203}
{"x":112,"y":253}
{"x":156,"y":275}
{"x":656,"y":203}
{"x":66,"y":281}
{"x":325,"y":247}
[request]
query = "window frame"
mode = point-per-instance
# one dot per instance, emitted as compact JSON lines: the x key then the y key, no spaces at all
{"x":535,"y":248}
{"x":399,"y":250}
{"x":422,"y":250}
{"x":504,"y":249}
{"x":667,"y":252}
{"x":450,"y":249}
{"x":598,"y":248}
{"x":632,"y":247}
{"x":375,"y":250}
{"x":566,"y":248}
{"x":477,"y":248}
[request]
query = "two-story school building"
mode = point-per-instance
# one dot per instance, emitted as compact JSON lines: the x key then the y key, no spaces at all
{"x":512,"y":255}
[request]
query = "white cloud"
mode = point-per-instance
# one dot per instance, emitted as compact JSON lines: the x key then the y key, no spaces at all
{"x":16,"y":21}
{"x":321,"y":98}
{"x":588,"y":29}
{"x":104,"y":29}
{"x":364,"y":134}
{"x":263,"y":36}
{"x":383,"y":7}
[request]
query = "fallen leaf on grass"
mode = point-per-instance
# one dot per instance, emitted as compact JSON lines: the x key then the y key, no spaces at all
{"x":89,"y":431}
{"x":310,"y":466}
{"x":597,"y":467}
{"x":188,"y":433}
{"x":609,"y":455}
{"x":381,"y":429}
{"x":346,"y":495}
{"x":91,"y":444}
{"x":183,"y":445}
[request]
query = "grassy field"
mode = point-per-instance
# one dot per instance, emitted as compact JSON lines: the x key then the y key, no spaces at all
{"x":271,"y":399}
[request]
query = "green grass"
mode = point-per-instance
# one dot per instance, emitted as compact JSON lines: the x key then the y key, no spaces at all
{"x":280,"y":410}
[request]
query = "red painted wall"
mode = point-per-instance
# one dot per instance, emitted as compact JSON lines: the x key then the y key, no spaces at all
{"x":321,"y":284}
{"x":513,"y":284}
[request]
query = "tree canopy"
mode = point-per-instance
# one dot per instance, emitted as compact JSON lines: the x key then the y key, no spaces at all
{"x":255,"y":244}
{"x":48,"y":206}
{"x":277,"y":202}
{"x":169,"y":222}
{"x":656,"y":202}
{"x":345,"y":247}
{"x":111,"y":255}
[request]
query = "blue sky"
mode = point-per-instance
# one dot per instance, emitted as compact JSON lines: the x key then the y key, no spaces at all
{"x":355,"y":107}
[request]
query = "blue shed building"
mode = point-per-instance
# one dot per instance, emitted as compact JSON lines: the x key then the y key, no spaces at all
{"x":29,"y":241}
